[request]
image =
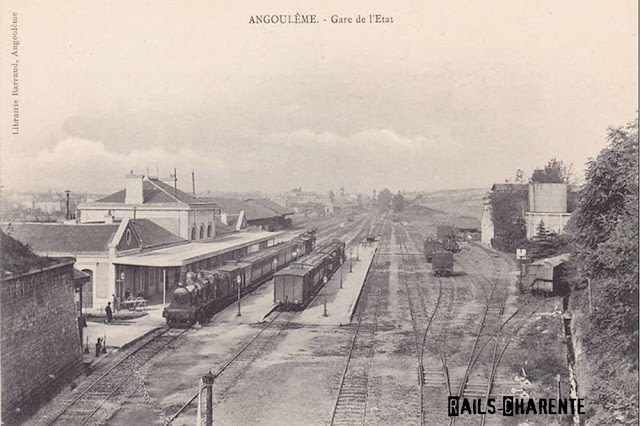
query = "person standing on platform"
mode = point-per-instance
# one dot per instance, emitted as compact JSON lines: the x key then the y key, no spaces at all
{"x":98,"y":347}
{"x":109,"y":313}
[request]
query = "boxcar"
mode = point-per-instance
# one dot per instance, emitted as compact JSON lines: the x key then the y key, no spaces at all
{"x":442,"y":263}
{"x":294,"y":287}
{"x":431,"y":246}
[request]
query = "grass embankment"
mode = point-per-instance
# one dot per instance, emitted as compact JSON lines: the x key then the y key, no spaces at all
{"x":542,"y":343}
{"x":608,"y":381}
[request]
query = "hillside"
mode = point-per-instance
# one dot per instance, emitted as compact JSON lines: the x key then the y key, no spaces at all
{"x":461,"y":202}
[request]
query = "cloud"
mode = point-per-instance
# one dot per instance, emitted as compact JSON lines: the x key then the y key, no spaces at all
{"x":87,"y":165}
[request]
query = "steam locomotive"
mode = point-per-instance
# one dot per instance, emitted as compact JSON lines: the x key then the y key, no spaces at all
{"x":208,"y":291}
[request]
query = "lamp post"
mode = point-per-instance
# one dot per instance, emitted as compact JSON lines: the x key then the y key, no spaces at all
{"x":351,"y":259}
{"x":239,"y":281}
{"x":325,"y":280}
{"x":358,"y":252}
{"x":340,"y":266}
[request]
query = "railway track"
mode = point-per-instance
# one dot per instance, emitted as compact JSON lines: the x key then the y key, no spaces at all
{"x":351,"y":403}
{"x":507,"y":339}
{"x":229,"y":373}
{"x":90,"y":404}
{"x":234,"y":369}
{"x":432,"y":357}
{"x":490,"y":325}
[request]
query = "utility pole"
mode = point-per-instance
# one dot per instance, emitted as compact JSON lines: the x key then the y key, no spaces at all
{"x":175,"y":182}
{"x":207,"y":379}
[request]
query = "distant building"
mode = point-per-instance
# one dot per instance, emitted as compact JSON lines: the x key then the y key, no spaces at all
{"x":144,"y":197}
{"x":540,"y":202}
{"x":259,"y":212}
{"x":547,"y":204}
{"x":488,"y":231}
{"x":488,"y":227}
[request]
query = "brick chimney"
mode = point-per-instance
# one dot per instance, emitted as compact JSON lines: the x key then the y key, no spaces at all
{"x":133,"y":189}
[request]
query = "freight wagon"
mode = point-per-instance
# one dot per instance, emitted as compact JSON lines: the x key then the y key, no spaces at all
{"x":431,"y":246}
{"x":442,"y":263}
{"x":295,"y":286}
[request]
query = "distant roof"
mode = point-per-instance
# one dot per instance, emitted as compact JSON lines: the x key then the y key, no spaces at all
{"x":510,"y":187}
{"x":153,"y":235}
{"x":61,"y":238}
{"x":272,"y":205}
{"x":222,"y":229}
{"x":252,"y":209}
{"x":154,"y":191}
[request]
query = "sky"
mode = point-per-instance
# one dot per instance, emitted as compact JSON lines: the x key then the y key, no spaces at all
{"x":451,"y":95}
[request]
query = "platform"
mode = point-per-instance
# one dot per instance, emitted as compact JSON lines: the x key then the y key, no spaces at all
{"x":120,"y":333}
{"x":340,"y":301}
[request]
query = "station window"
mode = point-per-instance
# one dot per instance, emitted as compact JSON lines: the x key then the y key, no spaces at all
{"x":201,"y":231}
{"x":209,"y":230}
{"x":193,"y":233}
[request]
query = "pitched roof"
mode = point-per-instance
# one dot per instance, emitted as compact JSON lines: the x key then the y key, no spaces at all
{"x":252,"y":209}
{"x":510,"y":187}
{"x":272,"y":205}
{"x":61,"y":238}
{"x":222,"y":229}
{"x":154,"y":191}
{"x":153,"y":235}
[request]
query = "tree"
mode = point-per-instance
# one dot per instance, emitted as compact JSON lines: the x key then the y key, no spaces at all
{"x":332,"y":196}
{"x":605,"y":240}
{"x":554,"y":172}
{"x":508,"y":220}
{"x":519,"y":176}
{"x":398,"y":202}
{"x":385,"y":197}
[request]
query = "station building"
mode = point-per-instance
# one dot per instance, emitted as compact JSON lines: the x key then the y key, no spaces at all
{"x":150,"y":198}
{"x":135,"y":255}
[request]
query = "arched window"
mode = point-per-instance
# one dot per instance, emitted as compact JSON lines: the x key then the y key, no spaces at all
{"x":209,"y":230}
{"x":202,"y":231}
{"x":193,"y":233}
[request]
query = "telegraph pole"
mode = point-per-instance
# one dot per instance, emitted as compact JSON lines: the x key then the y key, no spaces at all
{"x":207,"y":379}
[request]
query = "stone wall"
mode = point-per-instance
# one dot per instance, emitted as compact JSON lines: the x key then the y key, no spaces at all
{"x":41,"y":350}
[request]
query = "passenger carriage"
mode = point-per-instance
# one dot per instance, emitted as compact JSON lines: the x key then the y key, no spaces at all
{"x":209,"y":291}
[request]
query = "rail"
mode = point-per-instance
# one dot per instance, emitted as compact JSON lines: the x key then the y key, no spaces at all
{"x":96,"y":397}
